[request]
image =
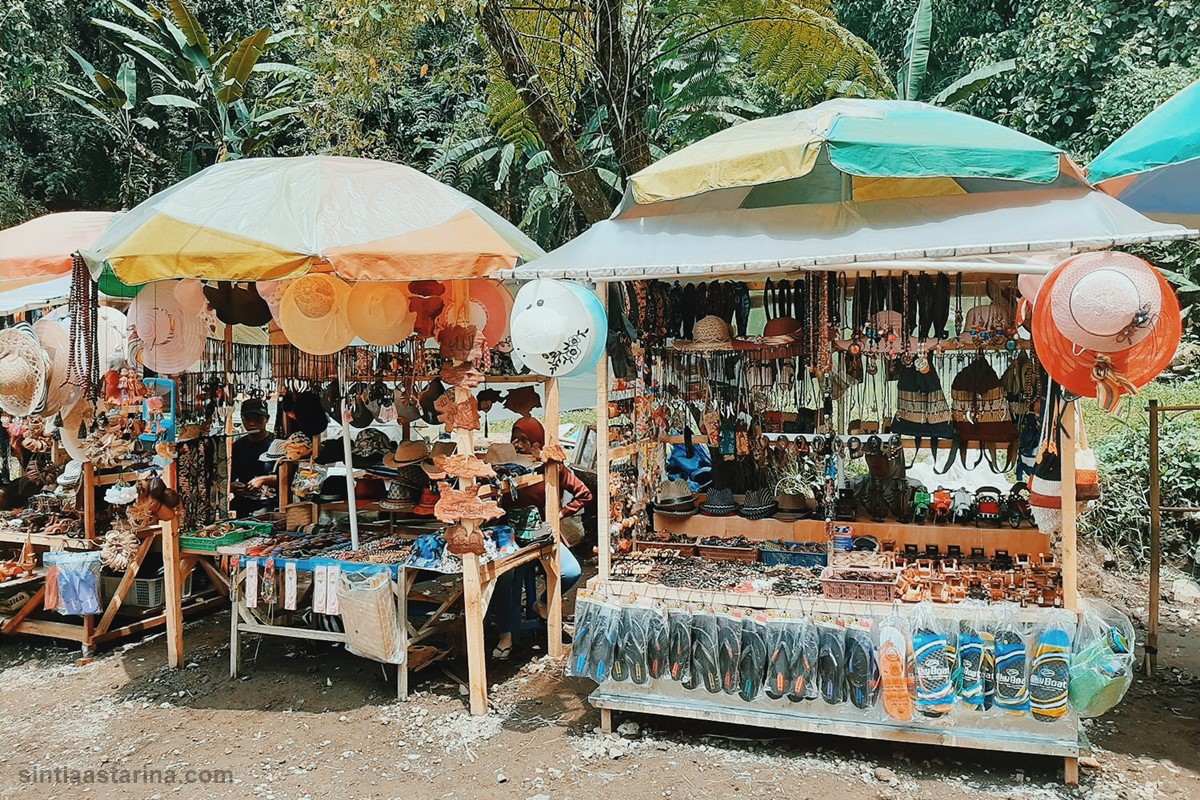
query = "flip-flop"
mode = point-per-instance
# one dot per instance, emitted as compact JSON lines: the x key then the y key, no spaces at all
{"x":585,"y":628}
{"x":892,"y":667}
{"x":805,"y":652}
{"x":634,"y":634}
{"x":604,"y":644}
{"x":657,"y":645}
{"x":1012,"y":688}
{"x":1049,"y":675}
{"x":932,"y":667}
{"x":729,"y":643}
{"x":779,"y":660}
{"x":705,"y":666}
{"x":679,"y":645}
{"x":970,"y":666}
{"x":753,"y":663}
{"x":831,"y":660}
{"x":862,"y":669}
{"x":618,"y":669}
{"x":988,"y":668}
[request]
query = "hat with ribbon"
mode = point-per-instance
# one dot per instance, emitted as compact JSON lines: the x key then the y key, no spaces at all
{"x":675,"y":498}
{"x":313,"y":314}
{"x":408,"y":451}
{"x":23,"y":370}
{"x":558,"y":328}
{"x":1105,"y":324}
{"x":172,"y":335}
{"x":379,"y":314}
{"x":710,"y":334}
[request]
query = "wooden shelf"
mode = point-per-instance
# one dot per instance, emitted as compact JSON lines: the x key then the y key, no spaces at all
{"x":1021,"y":540}
{"x":45,"y":540}
{"x":625,"y":451}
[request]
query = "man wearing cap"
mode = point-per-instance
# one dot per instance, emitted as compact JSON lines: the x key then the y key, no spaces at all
{"x":248,"y":473}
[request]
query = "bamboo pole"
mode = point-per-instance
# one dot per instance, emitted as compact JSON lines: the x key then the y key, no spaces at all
{"x":603,"y":510}
{"x":1150,"y":658}
{"x":1069,"y":515}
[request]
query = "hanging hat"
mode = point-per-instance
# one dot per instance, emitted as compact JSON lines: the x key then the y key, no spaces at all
{"x":313,"y":314}
{"x":272,"y":293}
{"x":427,"y":400}
{"x":56,"y":341}
{"x":780,"y":338}
{"x":379,"y":312}
{"x":237,"y":303}
{"x":172,"y":335}
{"x":558,"y":328}
{"x":439,"y":450}
{"x":112,"y":337}
{"x":408,"y":451}
{"x":505,"y":453}
{"x":68,"y":432}
{"x":710,"y":334}
{"x":1105,"y":324}
{"x":491,"y":305}
{"x":190,"y":294}
{"x":522,"y":400}
{"x":22,"y":371}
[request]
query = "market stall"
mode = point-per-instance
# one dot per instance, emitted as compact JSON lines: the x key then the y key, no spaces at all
{"x":354,"y":292}
{"x":842,"y":486}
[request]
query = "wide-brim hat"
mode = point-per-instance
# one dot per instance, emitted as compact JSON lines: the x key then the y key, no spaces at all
{"x":719,"y":503}
{"x":558,"y":328}
{"x":56,"y":341}
{"x":428,"y":502}
{"x":172,"y":336}
{"x":313,"y":314}
{"x":408,"y":451}
{"x":710,"y":334}
{"x":505,"y":453}
{"x":686,"y":510}
{"x":491,"y":306}
{"x":779,"y":338}
{"x":378,"y":312}
{"x":112,"y":336}
{"x":275,"y":451}
{"x":272,"y":293}
{"x":400,"y":497}
{"x":676,"y":492}
{"x":237,"y":303}
{"x":23,"y":367}
{"x":1149,"y":340}
{"x":430,"y":464}
{"x":68,"y":432}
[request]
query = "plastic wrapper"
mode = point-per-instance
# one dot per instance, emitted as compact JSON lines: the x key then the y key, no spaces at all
{"x":1050,"y":666}
{"x":778,"y":670}
{"x":894,"y":660}
{"x":658,"y":644}
{"x":596,"y":623}
{"x":729,"y":650}
{"x":706,"y":668}
{"x":969,"y":667}
{"x":78,"y":582}
{"x":831,"y":662}
{"x":933,"y":664}
{"x":862,"y":665}
{"x":752,"y":665}
{"x":679,"y":645}
{"x":1102,"y":660}
{"x":806,"y":652}
{"x":1012,"y":664}
{"x":633,"y":636}
{"x":368,"y":609}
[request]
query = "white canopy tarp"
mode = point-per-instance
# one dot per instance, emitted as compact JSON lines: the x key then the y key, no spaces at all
{"x":53,"y":292}
{"x":1038,"y":226}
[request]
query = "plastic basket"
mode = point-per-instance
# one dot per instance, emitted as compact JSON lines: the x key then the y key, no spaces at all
{"x":145,"y":593}
{"x":836,"y":585}
{"x":243,"y":529}
{"x":793,"y":554}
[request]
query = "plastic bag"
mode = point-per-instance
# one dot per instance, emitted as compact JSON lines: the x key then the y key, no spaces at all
{"x":778,"y":669}
{"x":806,"y":652}
{"x":78,"y":582}
{"x":306,"y":483}
{"x":1012,"y":664}
{"x":862,"y":665}
{"x":932,"y":663}
{"x":633,"y":634}
{"x":1050,"y":666}
{"x":729,"y":650}
{"x":705,"y":660}
{"x":831,"y":662}
{"x":893,"y":668}
{"x":679,"y":645}
{"x":586,"y":609}
{"x":597,"y":620}
{"x":1102,"y":661}
{"x":658,"y":644}
{"x":752,"y":665}
{"x":368,"y":608}
{"x":969,"y":670}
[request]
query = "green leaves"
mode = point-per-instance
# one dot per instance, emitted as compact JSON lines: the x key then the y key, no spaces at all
{"x":192,"y":31}
{"x":973,"y":81}
{"x":241,"y":64}
{"x":172,"y":101}
{"x":916,"y":52}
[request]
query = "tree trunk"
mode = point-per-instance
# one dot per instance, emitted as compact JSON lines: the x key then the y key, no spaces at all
{"x":626,"y":120}
{"x":581,"y":178}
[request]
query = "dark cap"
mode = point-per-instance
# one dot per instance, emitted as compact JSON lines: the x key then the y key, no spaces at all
{"x":255,"y":407}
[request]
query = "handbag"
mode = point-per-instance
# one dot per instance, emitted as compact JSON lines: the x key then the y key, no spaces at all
{"x":1087,"y":477}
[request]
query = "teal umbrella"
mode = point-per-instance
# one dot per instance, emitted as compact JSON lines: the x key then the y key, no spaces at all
{"x":1155,"y":166}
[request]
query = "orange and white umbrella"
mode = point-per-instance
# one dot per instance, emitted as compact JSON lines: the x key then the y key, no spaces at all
{"x":40,"y":250}
{"x":267,"y":219}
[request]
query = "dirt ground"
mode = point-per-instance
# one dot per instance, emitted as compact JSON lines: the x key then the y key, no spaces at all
{"x":311,"y":721}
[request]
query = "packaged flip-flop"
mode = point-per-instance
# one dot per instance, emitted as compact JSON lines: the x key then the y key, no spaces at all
{"x":831,"y":661}
{"x":932,"y":664}
{"x":806,"y":652}
{"x":779,"y":657}
{"x":629,"y":663}
{"x":679,"y":645}
{"x":729,"y":653}
{"x":586,"y":608}
{"x":657,"y":643}
{"x":706,"y":668}
{"x":988,"y":668}
{"x":1050,"y":667}
{"x":1102,"y":660}
{"x":753,"y":663}
{"x":862,"y":665}
{"x":78,"y":581}
{"x":893,"y":668}
{"x":969,"y":669}
{"x":1012,"y":664}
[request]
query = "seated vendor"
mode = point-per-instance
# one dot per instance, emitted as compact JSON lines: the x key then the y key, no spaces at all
{"x":249,"y":475}
{"x":528,"y":436}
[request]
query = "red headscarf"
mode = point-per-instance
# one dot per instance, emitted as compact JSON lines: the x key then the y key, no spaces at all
{"x":532,"y":430}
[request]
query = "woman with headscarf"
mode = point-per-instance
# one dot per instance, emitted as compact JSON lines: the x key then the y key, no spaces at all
{"x":528,"y":437}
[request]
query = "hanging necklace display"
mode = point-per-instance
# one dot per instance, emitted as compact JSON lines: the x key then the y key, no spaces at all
{"x":958,"y":305}
{"x":906,"y":357}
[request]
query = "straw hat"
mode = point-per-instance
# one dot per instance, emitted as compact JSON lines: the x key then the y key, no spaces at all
{"x":69,"y":430}
{"x":56,"y":341}
{"x":313,"y":314}
{"x":440,"y":450}
{"x":22,"y":371}
{"x":491,"y":305}
{"x":379,"y":312}
{"x":1105,"y":324}
{"x":710,"y":334}
{"x":558,"y":328}
{"x":112,"y":336}
{"x":173,"y":336}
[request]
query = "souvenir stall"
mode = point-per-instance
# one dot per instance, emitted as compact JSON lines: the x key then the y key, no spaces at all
{"x":77,"y":503}
{"x":839,"y":429}
{"x":354,"y":293}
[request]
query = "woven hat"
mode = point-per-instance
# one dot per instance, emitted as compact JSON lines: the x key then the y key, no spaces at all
{"x":1113,"y":345}
{"x":23,"y":367}
{"x":401,"y":497}
{"x":272,"y":292}
{"x":780,"y":338}
{"x":710,"y":334}
{"x":759,"y":504}
{"x":275,"y":451}
{"x":68,"y":432}
{"x":408,"y":451}
{"x":558,"y":328}
{"x":719,"y":503}
{"x":56,"y":341}
{"x":172,"y":335}
{"x":313,"y":314}
{"x":379,"y":314}
{"x":675,"y":498}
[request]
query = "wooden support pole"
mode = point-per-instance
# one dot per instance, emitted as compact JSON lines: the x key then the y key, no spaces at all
{"x":604,"y":523}
{"x":476,"y":658}
{"x":1150,"y":658}
{"x":553,"y":511}
{"x":1070,"y":554}
{"x":172,"y":585}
